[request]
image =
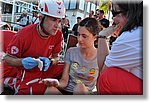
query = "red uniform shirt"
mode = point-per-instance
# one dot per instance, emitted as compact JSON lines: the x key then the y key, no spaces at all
{"x":28,"y":43}
{"x":6,"y":38}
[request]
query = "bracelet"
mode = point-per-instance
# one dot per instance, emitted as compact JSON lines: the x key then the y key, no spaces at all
{"x":102,"y":36}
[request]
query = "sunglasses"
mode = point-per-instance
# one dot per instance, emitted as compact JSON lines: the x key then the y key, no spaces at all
{"x":115,"y":13}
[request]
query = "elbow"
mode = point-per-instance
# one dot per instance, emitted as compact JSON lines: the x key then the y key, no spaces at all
{"x":63,"y":83}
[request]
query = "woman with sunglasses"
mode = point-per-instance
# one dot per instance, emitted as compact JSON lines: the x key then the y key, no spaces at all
{"x":121,"y":68}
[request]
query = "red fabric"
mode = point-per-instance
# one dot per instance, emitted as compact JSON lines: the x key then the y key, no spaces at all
{"x":55,"y":71}
{"x":37,"y":88}
{"x":9,"y":71}
{"x":116,"y":81}
{"x":7,"y":36}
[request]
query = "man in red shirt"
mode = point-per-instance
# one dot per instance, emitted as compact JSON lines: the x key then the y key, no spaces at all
{"x":43,"y":42}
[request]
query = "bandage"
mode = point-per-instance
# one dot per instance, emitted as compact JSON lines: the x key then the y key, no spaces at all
{"x":51,"y":80}
{"x":33,"y":81}
{"x":40,"y":63}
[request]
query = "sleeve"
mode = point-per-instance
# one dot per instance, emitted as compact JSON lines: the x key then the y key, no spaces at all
{"x":58,"y":45}
{"x":118,"y":55}
{"x":15,"y":46}
{"x":124,"y":52}
{"x":67,"y":58}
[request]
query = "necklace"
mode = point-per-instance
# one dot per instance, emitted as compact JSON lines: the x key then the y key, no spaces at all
{"x":40,"y":33}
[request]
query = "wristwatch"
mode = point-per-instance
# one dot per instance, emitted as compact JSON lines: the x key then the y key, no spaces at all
{"x":102,"y":36}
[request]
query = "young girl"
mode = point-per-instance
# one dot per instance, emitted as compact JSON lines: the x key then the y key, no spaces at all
{"x":81,"y":69}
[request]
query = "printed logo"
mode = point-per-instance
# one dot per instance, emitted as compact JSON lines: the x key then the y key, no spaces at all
{"x":14,"y":50}
{"x":90,"y":78}
{"x":78,"y":81}
{"x":75,"y":65}
{"x":92,"y":71}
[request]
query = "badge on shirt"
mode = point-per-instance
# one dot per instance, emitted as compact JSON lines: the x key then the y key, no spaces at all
{"x":14,"y":50}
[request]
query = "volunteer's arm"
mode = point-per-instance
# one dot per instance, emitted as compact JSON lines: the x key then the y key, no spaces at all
{"x":27,"y":62}
{"x":12,"y":60}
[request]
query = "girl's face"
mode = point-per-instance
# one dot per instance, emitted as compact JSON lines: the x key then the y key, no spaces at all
{"x":118,"y":17}
{"x":85,"y":38}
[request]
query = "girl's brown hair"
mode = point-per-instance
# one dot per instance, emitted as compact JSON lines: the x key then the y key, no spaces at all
{"x":92,"y":25}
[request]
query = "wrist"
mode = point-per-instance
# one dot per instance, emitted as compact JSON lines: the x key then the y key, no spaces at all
{"x":52,"y":62}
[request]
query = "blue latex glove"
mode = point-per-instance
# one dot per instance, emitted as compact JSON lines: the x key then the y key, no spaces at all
{"x":46,"y":63}
{"x":29,"y":63}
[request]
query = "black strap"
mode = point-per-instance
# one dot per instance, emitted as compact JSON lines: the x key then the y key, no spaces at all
{"x":34,"y":21}
{"x":27,"y":20}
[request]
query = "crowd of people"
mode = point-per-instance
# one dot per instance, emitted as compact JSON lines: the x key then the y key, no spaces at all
{"x":31,"y":55}
{"x":26,"y":19}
